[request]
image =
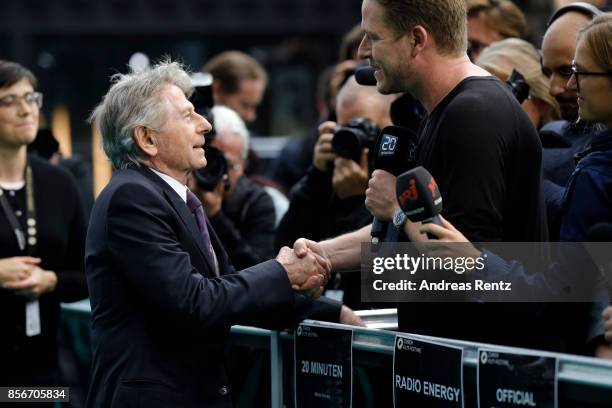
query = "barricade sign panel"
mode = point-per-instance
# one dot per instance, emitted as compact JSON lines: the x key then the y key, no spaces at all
{"x":323,"y":367}
{"x":507,"y":380}
{"x":426,"y":374}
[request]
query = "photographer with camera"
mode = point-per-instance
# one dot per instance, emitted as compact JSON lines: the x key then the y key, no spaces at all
{"x":329,"y":199}
{"x":240,"y":211}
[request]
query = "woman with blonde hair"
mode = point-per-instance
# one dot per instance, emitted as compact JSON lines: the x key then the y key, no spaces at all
{"x":501,"y":57}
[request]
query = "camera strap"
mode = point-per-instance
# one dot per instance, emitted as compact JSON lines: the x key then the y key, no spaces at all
{"x":29,"y":244}
{"x":32,"y":307}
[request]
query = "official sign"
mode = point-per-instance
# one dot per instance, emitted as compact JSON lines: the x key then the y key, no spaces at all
{"x":516,"y":380}
{"x":427,"y":375}
{"x":323,"y":367}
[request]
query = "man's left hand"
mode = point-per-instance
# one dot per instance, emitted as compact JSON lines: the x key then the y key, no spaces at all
{"x":347,"y":316}
{"x":40,"y":281}
{"x":381,"y":200}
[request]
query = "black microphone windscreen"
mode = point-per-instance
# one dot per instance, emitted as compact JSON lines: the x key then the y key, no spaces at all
{"x":395,"y":150}
{"x":365,"y":76}
{"x":418,"y":194}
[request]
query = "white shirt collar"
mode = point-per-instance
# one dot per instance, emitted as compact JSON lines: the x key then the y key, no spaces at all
{"x":176,"y":185}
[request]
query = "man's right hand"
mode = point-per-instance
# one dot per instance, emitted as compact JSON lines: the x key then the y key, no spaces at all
{"x":17,"y":268}
{"x":308,"y":273}
{"x":323,"y":151}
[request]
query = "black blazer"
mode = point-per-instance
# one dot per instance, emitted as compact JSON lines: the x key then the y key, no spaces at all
{"x":160,"y":316}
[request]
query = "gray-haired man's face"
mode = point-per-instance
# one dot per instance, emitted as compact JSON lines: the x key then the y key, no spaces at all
{"x":179,"y":143}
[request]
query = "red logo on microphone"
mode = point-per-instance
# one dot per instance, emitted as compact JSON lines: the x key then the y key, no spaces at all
{"x":433,"y":187}
{"x":411,"y":193}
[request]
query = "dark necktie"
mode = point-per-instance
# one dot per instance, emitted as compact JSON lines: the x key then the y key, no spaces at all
{"x":195,"y":206}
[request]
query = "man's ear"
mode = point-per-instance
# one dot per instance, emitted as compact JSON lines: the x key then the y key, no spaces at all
{"x":146,"y":141}
{"x":420,"y":40}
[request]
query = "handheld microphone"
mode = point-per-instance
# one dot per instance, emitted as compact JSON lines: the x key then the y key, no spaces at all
{"x":394,"y":151}
{"x":365,"y":76}
{"x":419,"y":197}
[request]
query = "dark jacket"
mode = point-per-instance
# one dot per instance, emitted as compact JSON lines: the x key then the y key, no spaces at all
{"x":561,"y":141}
{"x":61,"y":234}
{"x":588,"y":197}
{"x":160,"y":317}
{"x":245,"y":224}
{"x":294,"y":159}
{"x":316,"y":212}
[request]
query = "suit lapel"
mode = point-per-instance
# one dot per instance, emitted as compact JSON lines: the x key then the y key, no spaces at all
{"x":184,"y":214}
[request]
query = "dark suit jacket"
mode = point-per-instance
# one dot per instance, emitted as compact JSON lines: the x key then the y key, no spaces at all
{"x":160,"y":316}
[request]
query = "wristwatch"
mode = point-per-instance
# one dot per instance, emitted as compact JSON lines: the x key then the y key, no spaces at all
{"x":399,"y":219}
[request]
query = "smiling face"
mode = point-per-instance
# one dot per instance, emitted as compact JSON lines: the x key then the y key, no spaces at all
{"x":18,"y":121}
{"x":594,"y":92}
{"x":179,"y":143}
{"x":386,"y":50}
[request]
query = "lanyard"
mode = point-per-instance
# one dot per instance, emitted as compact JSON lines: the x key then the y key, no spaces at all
{"x":31,"y":232}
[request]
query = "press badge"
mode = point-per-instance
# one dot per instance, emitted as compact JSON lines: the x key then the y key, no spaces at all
{"x":32,"y":318}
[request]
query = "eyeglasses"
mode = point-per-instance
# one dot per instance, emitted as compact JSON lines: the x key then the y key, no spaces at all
{"x":577,"y":74}
{"x":31,"y":98}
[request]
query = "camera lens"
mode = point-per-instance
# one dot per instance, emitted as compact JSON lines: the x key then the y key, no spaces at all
{"x":347,"y":143}
{"x":210,"y":176}
{"x":350,"y":140}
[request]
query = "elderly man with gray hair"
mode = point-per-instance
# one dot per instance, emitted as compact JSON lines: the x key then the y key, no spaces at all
{"x":240,"y":211}
{"x":162,"y":290}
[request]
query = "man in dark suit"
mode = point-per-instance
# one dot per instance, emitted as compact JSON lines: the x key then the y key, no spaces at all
{"x":163,"y":292}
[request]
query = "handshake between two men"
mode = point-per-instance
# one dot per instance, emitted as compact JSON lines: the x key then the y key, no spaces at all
{"x":309,"y":268}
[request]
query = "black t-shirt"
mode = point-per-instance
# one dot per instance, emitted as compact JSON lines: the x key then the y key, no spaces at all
{"x":485,"y":155}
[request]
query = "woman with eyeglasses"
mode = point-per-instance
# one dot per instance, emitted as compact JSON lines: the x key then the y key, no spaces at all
{"x":588,"y":196}
{"x":42,"y":235}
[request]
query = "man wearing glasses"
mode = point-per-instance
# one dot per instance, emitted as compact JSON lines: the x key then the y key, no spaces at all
{"x":563,"y":139}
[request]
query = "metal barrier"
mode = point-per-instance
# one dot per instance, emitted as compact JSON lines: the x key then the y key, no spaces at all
{"x":583,"y":381}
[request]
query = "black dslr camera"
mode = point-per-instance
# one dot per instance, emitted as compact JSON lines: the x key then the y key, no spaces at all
{"x":351,"y":139}
{"x":208,"y":177}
